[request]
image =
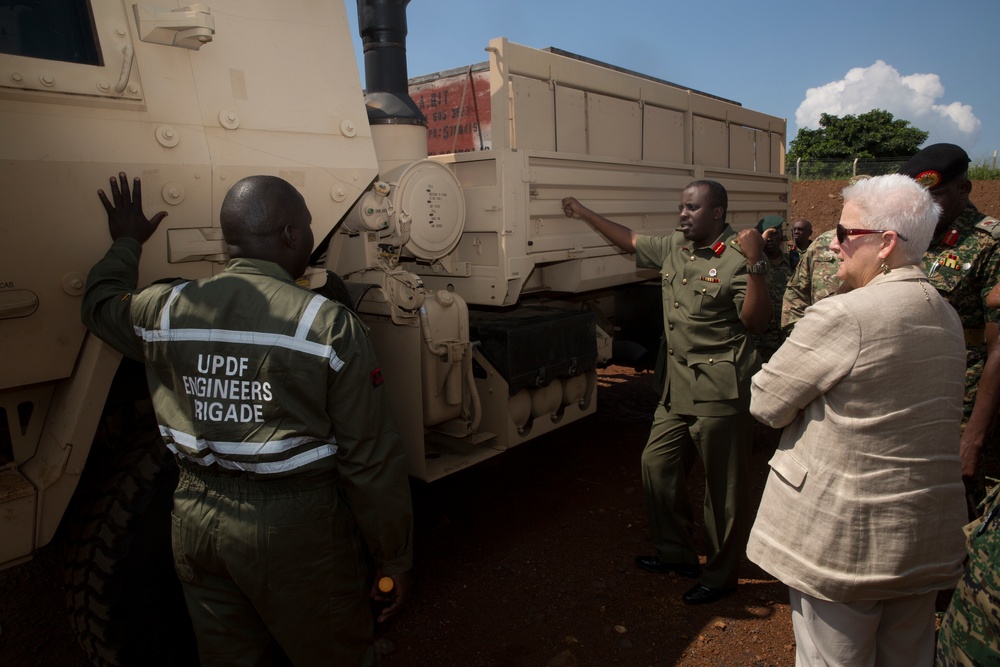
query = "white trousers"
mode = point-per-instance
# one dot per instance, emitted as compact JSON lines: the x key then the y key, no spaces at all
{"x":880,"y":633}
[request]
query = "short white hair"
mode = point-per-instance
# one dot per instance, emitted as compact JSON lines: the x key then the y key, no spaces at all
{"x":900,"y":204}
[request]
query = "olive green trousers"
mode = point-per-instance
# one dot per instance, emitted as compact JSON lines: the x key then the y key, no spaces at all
{"x":264,"y":562}
{"x":723,"y":444}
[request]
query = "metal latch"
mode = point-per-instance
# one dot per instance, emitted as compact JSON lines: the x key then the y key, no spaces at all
{"x":188,"y":27}
{"x":17,"y":303}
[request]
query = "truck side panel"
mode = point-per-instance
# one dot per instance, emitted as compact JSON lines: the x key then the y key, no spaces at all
{"x":624,"y":144}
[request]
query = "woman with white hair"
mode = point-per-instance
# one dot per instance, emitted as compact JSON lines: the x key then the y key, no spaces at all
{"x":863,"y":509}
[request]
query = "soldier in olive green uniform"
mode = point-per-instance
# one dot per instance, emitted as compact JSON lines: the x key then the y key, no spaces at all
{"x":814,"y":278}
{"x":801,"y":234}
{"x":712,"y":303}
{"x":778,"y":271}
{"x":270,"y":396}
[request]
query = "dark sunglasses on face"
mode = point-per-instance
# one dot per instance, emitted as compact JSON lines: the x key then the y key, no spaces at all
{"x":844,"y":232}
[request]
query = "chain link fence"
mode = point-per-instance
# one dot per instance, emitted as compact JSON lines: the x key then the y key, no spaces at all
{"x":817,"y":170}
{"x":825,"y":170}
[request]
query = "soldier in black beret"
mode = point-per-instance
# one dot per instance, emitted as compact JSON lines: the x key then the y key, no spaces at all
{"x":937,"y":165}
{"x":963,"y":263}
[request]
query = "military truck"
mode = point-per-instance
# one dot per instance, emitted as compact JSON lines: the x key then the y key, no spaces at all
{"x":436,"y":201}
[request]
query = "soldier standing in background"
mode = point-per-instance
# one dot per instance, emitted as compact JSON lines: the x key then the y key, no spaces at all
{"x":963,"y":264}
{"x":814,"y":278}
{"x":778,"y":272}
{"x":801,"y":233}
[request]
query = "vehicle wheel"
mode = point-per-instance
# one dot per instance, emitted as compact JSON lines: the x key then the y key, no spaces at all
{"x":125,"y":601}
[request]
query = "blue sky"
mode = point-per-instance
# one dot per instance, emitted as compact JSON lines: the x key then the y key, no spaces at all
{"x":936,"y":64}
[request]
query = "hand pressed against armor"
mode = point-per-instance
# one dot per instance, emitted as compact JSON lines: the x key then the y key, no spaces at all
{"x":125,"y":216}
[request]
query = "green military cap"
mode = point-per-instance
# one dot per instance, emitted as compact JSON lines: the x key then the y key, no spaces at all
{"x":937,"y":165}
{"x":770,"y":222}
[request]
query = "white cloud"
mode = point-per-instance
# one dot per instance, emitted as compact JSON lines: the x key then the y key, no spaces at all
{"x":913,"y":98}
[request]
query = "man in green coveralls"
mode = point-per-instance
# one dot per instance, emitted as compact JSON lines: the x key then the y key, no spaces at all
{"x":714,"y":297}
{"x":292,"y":474}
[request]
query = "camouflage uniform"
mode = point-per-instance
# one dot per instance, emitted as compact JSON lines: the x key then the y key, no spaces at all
{"x":970,"y":630}
{"x":814,"y":278}
{"x":794,"y":253}
{"x":778,"y":272}
{"x":963,"y":265}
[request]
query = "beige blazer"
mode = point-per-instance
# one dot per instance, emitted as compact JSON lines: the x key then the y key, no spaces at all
{"x":864,"y":500}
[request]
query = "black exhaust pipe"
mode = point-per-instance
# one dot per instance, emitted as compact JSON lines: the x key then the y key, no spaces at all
{"x":382,"y":24}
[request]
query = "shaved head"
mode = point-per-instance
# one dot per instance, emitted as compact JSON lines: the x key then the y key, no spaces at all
{"x":265,"y":217}
{"x":258,"y":207}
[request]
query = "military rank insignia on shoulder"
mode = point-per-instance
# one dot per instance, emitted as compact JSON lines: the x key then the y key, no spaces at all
{"x":991,"y":225}
{"x":733,"y":243}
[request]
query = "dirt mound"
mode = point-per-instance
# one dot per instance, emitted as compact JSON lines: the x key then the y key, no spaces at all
{"x":819,"y":201}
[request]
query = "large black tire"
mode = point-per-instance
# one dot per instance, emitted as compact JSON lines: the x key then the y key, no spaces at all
{"x":125,"y":601}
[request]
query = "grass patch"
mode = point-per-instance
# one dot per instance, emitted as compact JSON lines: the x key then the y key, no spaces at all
{"x":983,"y":171}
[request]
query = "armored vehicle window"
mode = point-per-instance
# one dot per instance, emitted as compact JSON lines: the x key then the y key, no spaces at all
{"x":49,"y":29}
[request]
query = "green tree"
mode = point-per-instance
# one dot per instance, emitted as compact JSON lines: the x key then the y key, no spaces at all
{"x":869,"y":136}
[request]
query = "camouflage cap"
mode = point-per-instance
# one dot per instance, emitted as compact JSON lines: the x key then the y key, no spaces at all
{"x":770,"y":222}
{"x":937,"y":165}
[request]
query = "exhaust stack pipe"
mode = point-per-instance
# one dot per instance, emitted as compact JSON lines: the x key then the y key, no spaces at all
{"x":382,"y":25}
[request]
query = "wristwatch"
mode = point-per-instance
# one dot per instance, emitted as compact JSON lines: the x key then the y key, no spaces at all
{"x":759,"y":268}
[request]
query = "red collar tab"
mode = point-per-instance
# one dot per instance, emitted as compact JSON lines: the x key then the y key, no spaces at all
{"x":719,"y":248}
{"x":951,"y":238}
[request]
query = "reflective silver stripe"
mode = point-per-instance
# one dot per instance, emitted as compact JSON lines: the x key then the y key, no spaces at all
{"x":165,"y":312}
{"x":309,"y":316}
{"x":189,"y":447}
{"x":265,"y":467}
{"x":296,"y":343}
{"x":243,"y":338}
{"x":306,"y":322}
{"x":200,"y":460}
{"x":244,"y":448}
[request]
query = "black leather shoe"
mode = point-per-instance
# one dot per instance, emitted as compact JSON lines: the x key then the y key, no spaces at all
{"x":702,"y":594}
{"x":654,"y":564}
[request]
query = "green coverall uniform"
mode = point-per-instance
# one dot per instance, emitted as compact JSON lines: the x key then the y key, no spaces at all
{"x":704,"y":367}
{"x":291,"y":464}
